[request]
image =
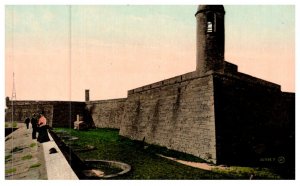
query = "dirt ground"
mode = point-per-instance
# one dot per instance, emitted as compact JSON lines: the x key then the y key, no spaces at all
{"x":204,"y":166}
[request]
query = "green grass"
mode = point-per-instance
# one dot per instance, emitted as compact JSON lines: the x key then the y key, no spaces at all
{"x":257,"y":173}
{"x":27,"y":157}
{"x":35,"y":165}
{"x":8,"y":158}
{"x":10,"y":171}
{"x":144,"y":161}
{"x":16,"y":149}
{"x":32,"y":144}
{"x":155,"y":149}
{"x":10,"y":124}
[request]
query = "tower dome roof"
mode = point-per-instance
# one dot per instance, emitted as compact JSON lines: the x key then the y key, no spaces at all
{"x":217,"y":8}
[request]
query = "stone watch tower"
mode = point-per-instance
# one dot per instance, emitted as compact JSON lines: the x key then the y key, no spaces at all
{"x":210,"y":38}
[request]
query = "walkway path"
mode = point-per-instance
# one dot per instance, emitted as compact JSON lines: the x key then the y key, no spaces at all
{"x":25,"y":158}
{"x":204,"y":166}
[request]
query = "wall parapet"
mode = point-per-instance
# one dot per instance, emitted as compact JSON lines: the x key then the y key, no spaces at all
{"x":250,"y":79}
{"x":229,"y":68}
{"x":166,"y":82}
{"x":106,"y":101}
{"x":39,"y":102}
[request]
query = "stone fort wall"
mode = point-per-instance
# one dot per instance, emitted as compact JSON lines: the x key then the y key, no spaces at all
{"x":58,"y":113}
{"x":254,"y":120}
{"x":223,"y":118}
{"x":177,"y":113}
{"x":102,"y":114}
{"x":226,"y":117}
{"x":106,"y":113}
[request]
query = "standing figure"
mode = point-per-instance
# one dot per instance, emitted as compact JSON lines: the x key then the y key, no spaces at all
{"x":34,"y":126}
{"x":43,"y":133}
{"x":27,"y":121}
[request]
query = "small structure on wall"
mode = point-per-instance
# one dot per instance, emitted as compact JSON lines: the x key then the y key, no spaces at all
{"x":82,"y":123}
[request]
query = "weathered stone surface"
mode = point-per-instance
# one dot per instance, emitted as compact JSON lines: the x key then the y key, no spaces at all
{"x":106,"y":113}
{"x":58,"y":113}
{"x":210,"y":42}
{"x":170,"y":117}
{"x":251,"y":112}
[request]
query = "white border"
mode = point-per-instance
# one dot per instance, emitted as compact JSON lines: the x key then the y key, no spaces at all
{"x":115,"y":2}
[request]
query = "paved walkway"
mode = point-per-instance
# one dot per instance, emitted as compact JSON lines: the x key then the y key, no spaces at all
{"x":27,"y":159}
{"x":23,"y":157}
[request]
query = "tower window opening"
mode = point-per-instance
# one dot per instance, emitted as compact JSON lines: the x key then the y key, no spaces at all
{"x":209,"y":27}
{"x":211,"y":21}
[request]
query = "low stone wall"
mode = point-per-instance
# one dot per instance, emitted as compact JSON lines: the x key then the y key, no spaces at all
{"x":58,"y":113}
{"x":106,"y":113}
{"x":64,"y":113}
{"x":22,"y":109}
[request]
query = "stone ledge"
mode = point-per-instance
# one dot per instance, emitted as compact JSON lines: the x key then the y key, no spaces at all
{"x":106,"y":101}
{"x":40,"y":102}
{"x":56,"y":165}
{"x":249,"y":79}
{"x":124,"y":166}
{"x":171,"y":81}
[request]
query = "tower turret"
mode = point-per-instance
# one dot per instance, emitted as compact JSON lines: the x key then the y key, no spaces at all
{"x":210,"y":38}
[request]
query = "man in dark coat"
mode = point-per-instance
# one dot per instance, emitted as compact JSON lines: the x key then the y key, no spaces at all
{"x":34,"y":126}
{"x":27,"y":121}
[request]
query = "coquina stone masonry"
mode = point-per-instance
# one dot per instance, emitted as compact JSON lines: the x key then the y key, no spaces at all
{"x":177,"y":113}
{"x":106,"y":113}
{"x":58,"y":113}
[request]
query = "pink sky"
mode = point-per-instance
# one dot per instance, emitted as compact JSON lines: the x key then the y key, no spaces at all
{"x":117,"y":48}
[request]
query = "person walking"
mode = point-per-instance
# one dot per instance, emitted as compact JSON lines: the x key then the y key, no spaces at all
{"x":27,"y":121}
{"x":34,"y":126}
{"x":42,"y":127}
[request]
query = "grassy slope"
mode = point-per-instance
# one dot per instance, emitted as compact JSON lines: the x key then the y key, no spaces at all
{"x":145,"y":163}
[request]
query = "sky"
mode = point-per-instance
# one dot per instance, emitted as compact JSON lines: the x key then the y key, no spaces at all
{"x":56,"y":52}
